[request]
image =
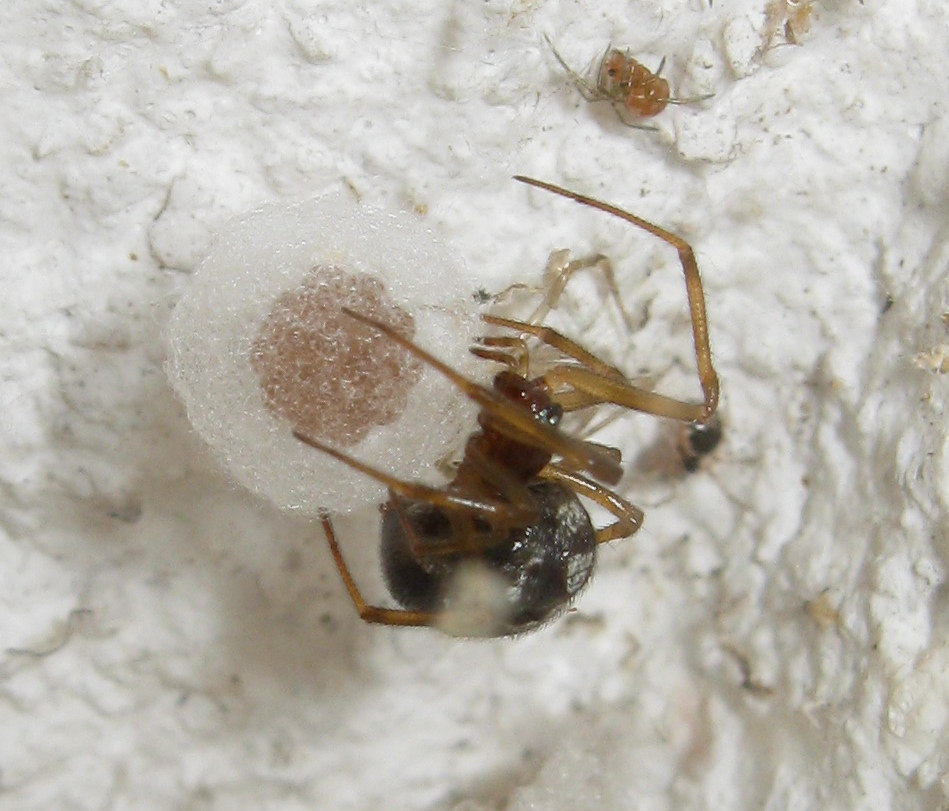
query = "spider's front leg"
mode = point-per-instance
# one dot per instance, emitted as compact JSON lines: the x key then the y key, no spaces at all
{"x":592,"y":385}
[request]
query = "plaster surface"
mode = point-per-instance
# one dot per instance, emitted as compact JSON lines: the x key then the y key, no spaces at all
{"x":775,"y":636}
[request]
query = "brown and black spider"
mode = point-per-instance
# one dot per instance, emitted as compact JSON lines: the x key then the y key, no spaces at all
{"x":507,"y":545}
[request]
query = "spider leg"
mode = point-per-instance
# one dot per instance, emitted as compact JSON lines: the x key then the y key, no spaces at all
{"x":560,"y":268}
{"x":367,"y":612}
{"x":505,"y":295}
{"x":588,"y":91}
{"x":614,"y":452}
{"x":620,"y":110}
{"x":558,"y":341}
{"x":693,"y":284}
{"x":491,"y":509}
{"x":506,"y":417}
{"x":596,"y":381}
{"x":691,"y":99}
{"x":511,"y":487}
{"x":467,"y":537}
{"x":588,"y":388}
{"x":516,"y":358}
{"x":629,"y":518}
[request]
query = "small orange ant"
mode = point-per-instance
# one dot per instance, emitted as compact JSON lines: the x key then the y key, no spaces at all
{"x":626,"y":84}
{"x":507,"y":545}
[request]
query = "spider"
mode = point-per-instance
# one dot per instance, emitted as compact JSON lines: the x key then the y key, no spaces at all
{"x":627,"y":84}
{"x":507,"y":545}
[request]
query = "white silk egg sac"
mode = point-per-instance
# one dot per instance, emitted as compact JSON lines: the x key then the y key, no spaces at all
{"x":259,"y":346}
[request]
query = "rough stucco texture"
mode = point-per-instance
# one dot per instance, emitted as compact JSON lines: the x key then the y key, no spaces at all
{"x":777,"y":636}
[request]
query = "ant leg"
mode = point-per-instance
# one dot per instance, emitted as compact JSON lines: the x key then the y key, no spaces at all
{"x":629,"y":518}
{"x":371,"y":613}
{"x":693,"y":285}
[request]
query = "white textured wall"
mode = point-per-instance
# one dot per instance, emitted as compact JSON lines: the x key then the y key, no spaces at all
{"x":776,"y":636}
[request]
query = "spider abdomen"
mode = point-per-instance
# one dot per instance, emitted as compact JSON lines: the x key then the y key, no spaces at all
{"x":515,"y":583}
